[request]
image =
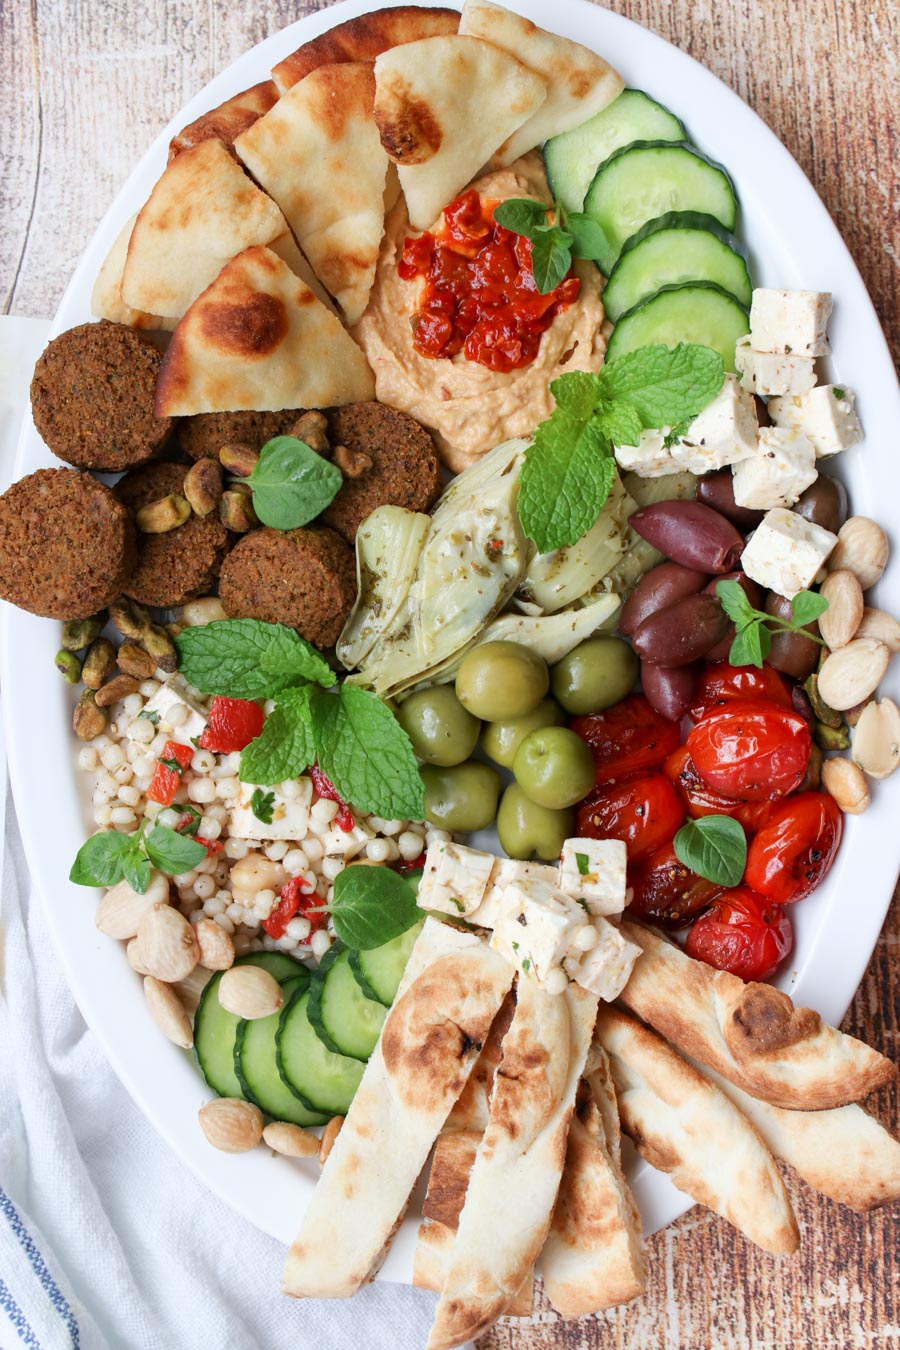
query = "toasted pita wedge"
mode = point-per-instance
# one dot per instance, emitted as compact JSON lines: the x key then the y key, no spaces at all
{"x":451,"y":990}
{"x":203,"y":211}
{"x":593,"y":1257}
{"x":513,"y":1186}
{"x":364,"y":38}
{"x":579,"y":82}
{"x":106,"y":297}
{"x":751,"y":1033}
{"x":318,"y":154}
{"x":443,"y":105}
{"x":258,"y":338}
{"x":684,"y":1125}
{"x":288,"y":251}
{"x":226,"y":122}
{"x":472,"y":1110}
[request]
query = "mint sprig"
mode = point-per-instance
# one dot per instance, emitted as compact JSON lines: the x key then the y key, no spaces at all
{"x":367,"y":755}
{"x":371,"y":906}
{"x":554,"y":244}
{"x":110,"y":857}
{"x":286,"y":747}
{"x":246,"y":658}
{"x":754,"y":628}
{"x":291,"y":484}
{"x":714,"y":847}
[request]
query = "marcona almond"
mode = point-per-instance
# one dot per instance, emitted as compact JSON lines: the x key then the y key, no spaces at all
{"x":876,"y":740}
{"x":290,"y":1140}
{"x":862,"y":548}
{"x":251,"y":992}
{"x":120,"y":910}
{"x":134,"y":960}
{"x":882,"y":627}
{"x":216,"y":946}
{"x":846,"y":783}
{"x":852,"y":673}
{"x":191,"y":987}
{"x":167,"y":1012}
{"x":166,"y":944}
{"x":845,"y":608}
{"x":329,"y":1134}
{"x":230,"y":1124}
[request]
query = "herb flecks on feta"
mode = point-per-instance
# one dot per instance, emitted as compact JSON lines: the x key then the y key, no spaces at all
{"x":790,"y":323}
{"x":454,"y":879}
{"x":724,"y":433}
{"x":650,"y":458}
{"x":601,"y":885}
{"x":826,"y":416}
{"x":191,"y":719}
{"x":504,"y":872}
{"x":537,"y":924}
{"x":286,"y":816}
{"x":780,"y":470}
{"x":785,"y":552}
{"x":770,"y":373}
{"x":606,"y":968}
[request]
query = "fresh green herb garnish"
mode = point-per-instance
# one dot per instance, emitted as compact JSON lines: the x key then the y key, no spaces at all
{"x":526,"y":965}
{"x":839,"y":393}
{"x":286,"y":747}
{"x":107,"y":858}
{"x":582,"y":862}
{"x":754,"y":628}
{"x":553,"y":244}
{"x":246,"y":658}
{"x":149,"y":716}
{"x":371,"y":906}
{"x":458,"y":903}
{"x":291,"y":484}
{"x":175,"y":765}
{"x":262,"y":804}
{"x":367,"y":755}
{"x":569,"y":469}
{"x":715,"y":847}
{"x":171,"y":852}
{"x":189,"y":823}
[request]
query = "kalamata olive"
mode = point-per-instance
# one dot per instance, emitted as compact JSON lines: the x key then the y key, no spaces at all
{"x":681,"y":633}
{"x":801,"y":704}
{"x":753,"y":593}
{"x":669,"y":689}
{"x":659,"y":587}
{"x":824,"y":503}
{"x":691,"y":534}
{"x":791,"y":653}
{"x":717,"y":490}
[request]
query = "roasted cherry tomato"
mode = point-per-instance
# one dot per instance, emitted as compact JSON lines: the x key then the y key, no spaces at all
{"x":791,"y":855}
{"x":721,"y":683}
{"x":627,"y":738}
{"x":700,"y":800}
{"x":232,"y":724}
{"x":751,"y":751}
{"x":643,"y":811}
{"x":742,"y":932}
{"x":171,"y":764}
{"x":297,"y":897}
{"x":667,"y":892}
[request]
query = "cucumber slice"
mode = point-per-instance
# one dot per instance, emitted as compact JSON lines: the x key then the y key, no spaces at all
{"x":344,"y":1018}
{"x":678,"y":247}
{"x":322,"y":1080}
{"x":379,"y":971}
{"x":215,"y":1028}
{"x":256,"y":1066}
{"x":699,"y":312}
{"x":573,"y":158}
{"x":644,"y":181}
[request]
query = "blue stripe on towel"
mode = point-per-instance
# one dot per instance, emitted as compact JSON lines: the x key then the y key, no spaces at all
{"x":48,"y":1284}
{"x":17,"y":1317}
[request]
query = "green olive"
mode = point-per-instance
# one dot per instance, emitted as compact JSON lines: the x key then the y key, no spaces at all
{"x":501,"y":740}
{"x":441,"y":730}
{"x":500,"y":680}
{"x":595,"y":675}
{"x":554,"y":767}
{"x":527,"y":830}
{"x":462,"y":797}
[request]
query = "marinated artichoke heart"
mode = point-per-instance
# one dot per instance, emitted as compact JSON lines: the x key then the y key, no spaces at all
{"x":388,"y":545}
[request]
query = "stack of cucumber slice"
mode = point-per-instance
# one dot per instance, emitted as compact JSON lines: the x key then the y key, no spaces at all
{"x":675,"y":272}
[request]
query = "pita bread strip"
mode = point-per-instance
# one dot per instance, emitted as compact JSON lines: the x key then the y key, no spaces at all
{"x":684,"y":1125}
{"x":580,"y":83}
{"x":750,"y":1033}
{"x":472,"y":1110}
{"x":513,"y":1186}
{"x":226,"y":122}
{"x":106,"y":297}
{"x":430,"y":1040}
{"x":364,"y":38}
{"x":431,"y":1261}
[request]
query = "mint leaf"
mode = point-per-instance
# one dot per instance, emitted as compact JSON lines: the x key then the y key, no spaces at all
{"x":262,"y":804}
{"x":735,"y":603}
{"x":246,"y":658}
{"x":371,"y":906}
{"x":291,"y":484}
{"x":136,"y":868}
{"x":620,"y":423}
{"x":715,"y":847}
{"x":100,"y":861}
{"x":522,"y":215}
{"x":577,"y":391}
{"x":172,"y":852}
{"x":664,"y":385}
{"x":806,"y":607}
{"x":588,"y":238}
{"x":551,"y":257}
{"x":285,"y":747}
{"x":565,"y":481}
{"x":367,"y":755}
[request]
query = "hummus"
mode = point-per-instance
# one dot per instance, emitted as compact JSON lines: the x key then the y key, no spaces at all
{"x":468,"y":407}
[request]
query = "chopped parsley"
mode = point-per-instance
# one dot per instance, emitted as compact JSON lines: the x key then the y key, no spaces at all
{"x":262,"y":804}
{"x":152,"y":717}
{"x":526,"y":965}
{"x":458,"y":903}
{"x":174,"y":765}
{"x":189,"y":820}
{"x":582,"y":862}
{"x":839,"y":393}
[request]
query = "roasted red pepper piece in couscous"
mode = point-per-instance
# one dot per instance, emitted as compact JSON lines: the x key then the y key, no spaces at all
{"x":324,"y":787}
{"x":170,"y":766}
{"x":297,"y":896}
{"x":232,"y":724}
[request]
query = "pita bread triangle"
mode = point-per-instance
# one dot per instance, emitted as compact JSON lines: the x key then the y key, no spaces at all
{"x":364,"y":38}
{"x":203,"y":211}
{"x":579,"y":83}
{"x":258,"y":338}
{"x":106,"y":297}
{"x":443,"y":106}
{"x":228,"y":119}
{"x":318,"y":154}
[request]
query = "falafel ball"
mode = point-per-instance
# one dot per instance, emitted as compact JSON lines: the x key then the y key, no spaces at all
{"x":303,"y":578}
{"x":182,"y":563}
{"x":92,"y":397}
{"x":406,"y":470}
{"x":204,"y":435}
{"x":67,"y":546}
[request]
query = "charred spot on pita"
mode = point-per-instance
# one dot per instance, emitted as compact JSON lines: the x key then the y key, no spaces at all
{"x":254,"y":327}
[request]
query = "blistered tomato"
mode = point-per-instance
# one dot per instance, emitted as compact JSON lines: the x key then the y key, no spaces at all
{"x":700,"y":800}
{"x":744,"y":933}
{"x":666,"y":892}
{"x":643,"y":811}
{"x":791,"y":855}
{"x":170,"y":766}
{"x":232,"y":724}
{"x":721,"y":683}
{"x":751,"y":751}
{"x":627,"y":738}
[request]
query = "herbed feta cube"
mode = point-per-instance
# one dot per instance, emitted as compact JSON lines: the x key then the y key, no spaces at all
{"x":782,"y":468}
{"x":504,"y":872}
{"x":173,"y":698}
{"x":606,"y":968}
{"x":338,"y":843}
{"x":593,"y":871}
{"x":785,"y":552}
{"x":825,"y":415}
{"x":793,"y":323}
{"x":454,"y":879}
{"x":287,"y":803}
{"x":536,"y":927}
{"x":766,"y":373}
{"x":724,"y":433}
{"x":650,"y":458}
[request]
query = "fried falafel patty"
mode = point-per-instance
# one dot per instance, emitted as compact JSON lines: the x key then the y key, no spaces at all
{"x":303,"y":578}
{"x":182,"y":563}
{"x":203,"y":436}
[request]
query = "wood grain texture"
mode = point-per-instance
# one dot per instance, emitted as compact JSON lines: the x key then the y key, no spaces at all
{"x":89,"y":83}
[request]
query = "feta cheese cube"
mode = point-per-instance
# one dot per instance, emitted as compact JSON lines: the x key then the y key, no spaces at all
{"x":765,"y":373}
{"x":650,"y":458}
{"x":347,"y":844}
{"x":536,"y":926}
{"x":724,"y":433}
{"x":785,"y":552}
{"x":290,"y":815}
{"x":454,"y":879}
{"x":606,"y":968}
{"x":190,"y":717}
{"x":782,"y":468}
{"x":793,"y":323}
{"x":593,"y":870}
{"x":825,"y":415}
{"x":505,"y":871}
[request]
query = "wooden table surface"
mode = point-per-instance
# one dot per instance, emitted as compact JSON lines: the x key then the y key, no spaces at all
{"x":90,"y":82}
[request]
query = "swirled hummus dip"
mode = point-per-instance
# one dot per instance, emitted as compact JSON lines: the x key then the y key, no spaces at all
{"x":470,"y":406}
